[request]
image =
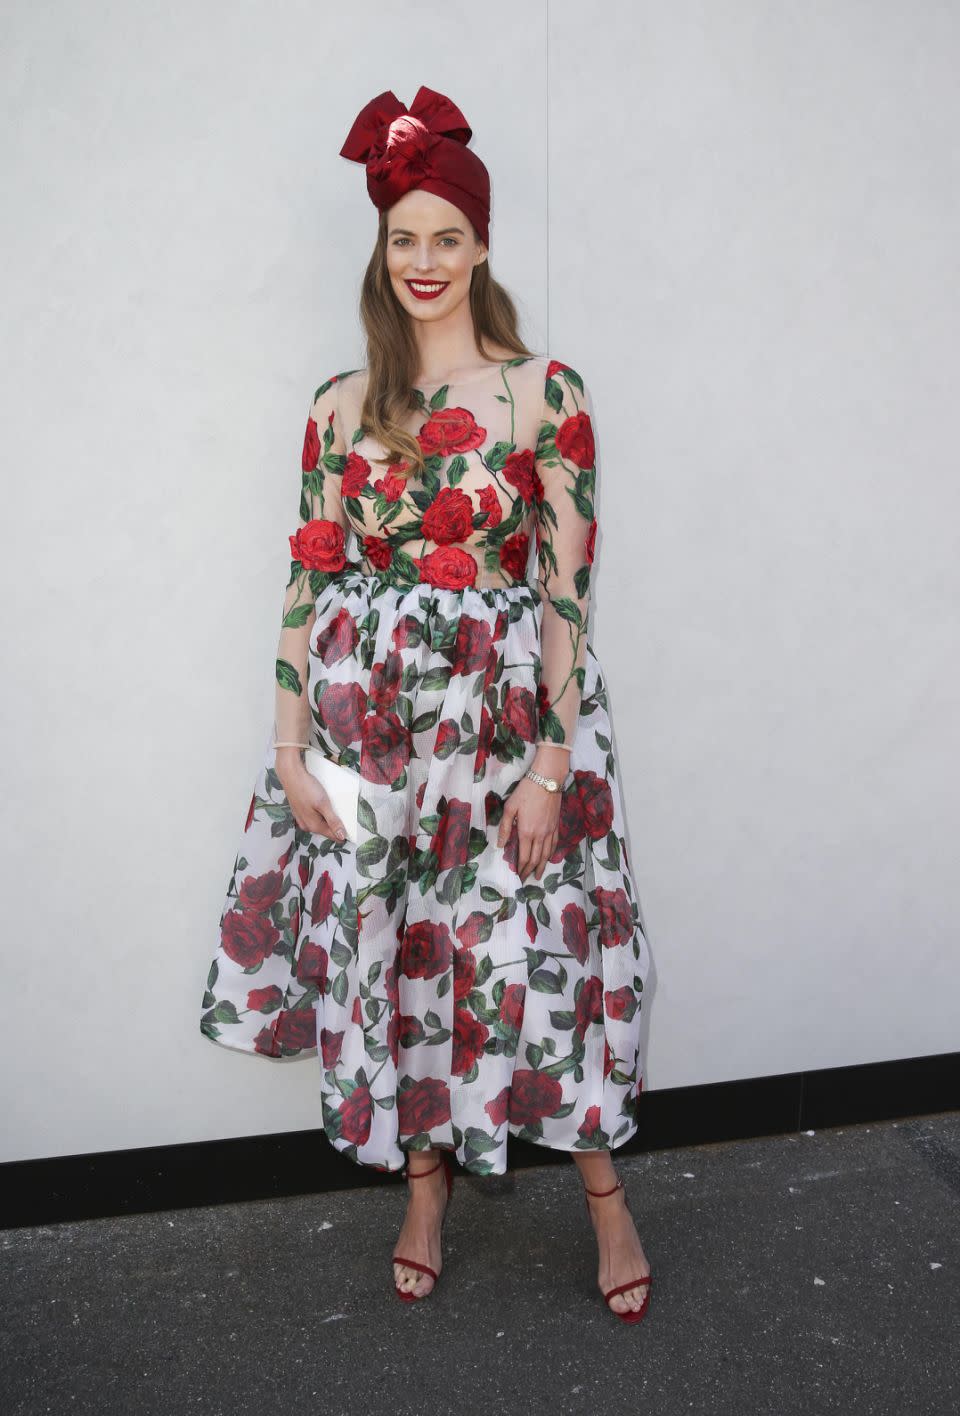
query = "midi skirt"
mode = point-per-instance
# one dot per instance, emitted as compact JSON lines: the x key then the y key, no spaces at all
{"x":448,"y":1002}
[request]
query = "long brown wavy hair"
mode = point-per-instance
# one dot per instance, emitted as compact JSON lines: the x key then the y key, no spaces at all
{"x":393,"y":359}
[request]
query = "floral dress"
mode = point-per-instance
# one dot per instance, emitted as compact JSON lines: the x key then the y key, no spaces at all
{"x":448,"y":1002}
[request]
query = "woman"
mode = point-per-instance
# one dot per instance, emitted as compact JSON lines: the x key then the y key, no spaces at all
{"x":473,"y":963}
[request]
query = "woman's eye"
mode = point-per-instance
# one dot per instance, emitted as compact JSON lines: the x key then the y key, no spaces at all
{"x":402,"y":239}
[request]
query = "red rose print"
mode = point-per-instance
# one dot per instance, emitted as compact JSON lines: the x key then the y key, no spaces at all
{"x":520,"y":712}
{"x":575,"y":440}
{"x":252,"y":808}
{"x":571,"y":827}
{"x":533,"y":1095}
{"x":591,"y":1122}
{"x":297,"y":1028}
{"x":385,"y":681}
{"x":409,"y":1029}
{"x":338,"y":639}
{"x":589,"y":1005}
{"x":427,"y":950}
{"x":513,"y":555}
{"x":485,"y":735}
{"x":261,"y":892}
{"x":341,"y":710}
{"x":356,"y":475}
{"x":450,"y":840}
{"x":356,"y":1116}
{"x":590,"y":544}
{"x":407,"y":632}
{"x":378,"y":551}
{"x":450,"y":430}
{"x":391,"y":487}
{"x":575,"y":937}
{"x":596,"y":803}
{"x":449,"y":517}
{"x":248,"y":938}
{"x":312,"y":962}
{"x":265,"y":1000}
{"x":518,"y":470}
{"x":555,"y":367}
{"x":620,"y":1003}
{"x":265,"y":1042}
{"x":616,"y":917}
{"x":385,"y":748}
{"x":471,"y":650}
{"x":322,"y":898}
{"x":319,"y":546}
{"x":331,"y":1044}
{"x":311,"y":445}
{"x":511,"y":1005}
{"x":356,"y":1017}
{"x":469,"y":1036}
{"x":464,"y":973}
{"x":446,"y":741}
{"x":474,"y":930}
{"x":448,"y":568}
{"x":490,"y":503}
{"x":423,"y":1106}
{"x":498,"y":1106}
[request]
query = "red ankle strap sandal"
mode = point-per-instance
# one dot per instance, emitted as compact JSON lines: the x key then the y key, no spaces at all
{"x":409,"y":1297}
{"x":631,"y":1315}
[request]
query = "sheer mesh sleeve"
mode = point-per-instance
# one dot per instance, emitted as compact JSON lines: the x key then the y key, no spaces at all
{"x":318,"y":550}
{"x":566,"y":531}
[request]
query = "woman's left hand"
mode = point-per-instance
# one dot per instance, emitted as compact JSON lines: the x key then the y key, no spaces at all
{"x":536,"y":813}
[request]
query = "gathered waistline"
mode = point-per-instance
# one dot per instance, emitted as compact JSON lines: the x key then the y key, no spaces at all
{"x":357,"y":571}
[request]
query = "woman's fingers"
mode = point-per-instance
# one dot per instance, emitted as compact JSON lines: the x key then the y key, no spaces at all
{"x":549,"y":846}
{"x":313,"y":812}
{"x":506,"y":824}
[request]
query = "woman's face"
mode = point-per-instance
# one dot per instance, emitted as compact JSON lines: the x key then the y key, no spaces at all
{"x":431,"y":254}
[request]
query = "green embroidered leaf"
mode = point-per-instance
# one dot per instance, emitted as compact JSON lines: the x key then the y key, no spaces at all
{"x":568,"y":610}
{"x":369,"y":853}
{"x":287,"y":677}
{"x":457,"y":468}
{"x":498,"y":455}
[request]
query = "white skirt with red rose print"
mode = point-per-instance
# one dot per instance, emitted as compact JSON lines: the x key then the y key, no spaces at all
{"x":453,"y":1003}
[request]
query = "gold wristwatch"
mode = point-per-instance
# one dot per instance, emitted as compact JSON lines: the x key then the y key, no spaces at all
{"x":551,"y":783}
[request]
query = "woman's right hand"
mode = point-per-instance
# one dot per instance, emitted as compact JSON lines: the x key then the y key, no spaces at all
{"x":309,"y":802}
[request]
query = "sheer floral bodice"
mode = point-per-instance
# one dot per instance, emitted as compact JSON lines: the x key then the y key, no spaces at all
{"x":511,"y":470}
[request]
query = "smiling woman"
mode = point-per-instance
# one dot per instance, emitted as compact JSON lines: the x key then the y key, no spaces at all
{"x":472,"y":965}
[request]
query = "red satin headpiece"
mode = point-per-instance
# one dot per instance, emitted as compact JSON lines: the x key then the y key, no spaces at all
{"x":420,"y":146}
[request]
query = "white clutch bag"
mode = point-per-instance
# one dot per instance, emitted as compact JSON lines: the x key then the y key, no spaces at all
{"x":341,"y":784}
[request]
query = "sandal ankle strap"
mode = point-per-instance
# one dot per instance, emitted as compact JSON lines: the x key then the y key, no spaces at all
{"x":617,"y":1186}
{"x":417,"y":1174}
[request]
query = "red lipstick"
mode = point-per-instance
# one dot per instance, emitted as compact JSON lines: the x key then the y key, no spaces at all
{"x":429,"y":290}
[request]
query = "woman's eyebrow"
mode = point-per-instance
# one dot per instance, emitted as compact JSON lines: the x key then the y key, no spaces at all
{"x":402,"y":231}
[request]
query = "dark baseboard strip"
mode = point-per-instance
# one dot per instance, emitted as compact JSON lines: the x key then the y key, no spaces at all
{"x":107,"y":1183}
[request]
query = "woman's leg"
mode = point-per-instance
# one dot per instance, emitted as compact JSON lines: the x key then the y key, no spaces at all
{"x":621,"y":1253}
{"x":420,"y":1236}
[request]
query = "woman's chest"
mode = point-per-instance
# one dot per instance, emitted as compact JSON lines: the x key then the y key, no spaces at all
{"x":479,"y":475}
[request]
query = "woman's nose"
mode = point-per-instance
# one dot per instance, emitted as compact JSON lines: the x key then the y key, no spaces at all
{"x":425,"y":260}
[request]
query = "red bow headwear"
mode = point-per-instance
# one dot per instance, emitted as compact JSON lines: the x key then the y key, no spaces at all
{"x":420,"y":146}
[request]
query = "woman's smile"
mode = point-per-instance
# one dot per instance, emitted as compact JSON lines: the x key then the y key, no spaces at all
{"x":426,"y":289}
